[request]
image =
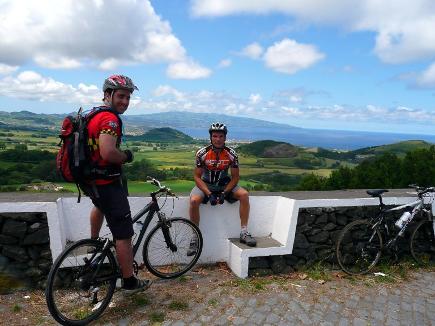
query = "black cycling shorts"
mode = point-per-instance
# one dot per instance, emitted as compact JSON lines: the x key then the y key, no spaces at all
{"x":113,"y":202}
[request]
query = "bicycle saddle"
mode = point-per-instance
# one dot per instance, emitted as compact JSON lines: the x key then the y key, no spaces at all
{"x":376,"y":192}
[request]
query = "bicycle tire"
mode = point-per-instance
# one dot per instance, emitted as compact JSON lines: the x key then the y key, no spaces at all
{"x":422,"y":243}
{"x":356,"y":254}
{"x":72,"y":294}
{"x":161,"y":260}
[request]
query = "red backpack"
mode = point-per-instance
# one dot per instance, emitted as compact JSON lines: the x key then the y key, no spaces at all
{"x":73,"y":160}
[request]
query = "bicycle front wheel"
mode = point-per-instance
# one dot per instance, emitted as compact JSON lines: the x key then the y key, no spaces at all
{"x":81,"y":283}
{"x":423,"y":243}
{"x":358,"y":247}
{"x":166,"y":261}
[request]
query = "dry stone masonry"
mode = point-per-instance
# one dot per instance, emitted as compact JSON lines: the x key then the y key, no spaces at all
{"x":317,"y":231}
{"x":24,"y":247}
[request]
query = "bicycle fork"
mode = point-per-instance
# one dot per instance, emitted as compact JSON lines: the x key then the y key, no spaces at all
{"x":165,"y":225}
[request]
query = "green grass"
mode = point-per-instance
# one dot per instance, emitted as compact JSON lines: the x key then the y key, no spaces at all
{"x":136,"y":187}
{"x":318,"y":272}
{"x":157,"y":317}
{"x":252,"y":285}
{"x":213,"y":302}
{"x":8,"y":283}
{"x":16,"y":308}
{"x":178,"y":305}
{"x":140,"y":300}
{"x":183,"y":279}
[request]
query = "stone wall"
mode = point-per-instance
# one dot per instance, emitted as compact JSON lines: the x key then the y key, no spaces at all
{"x":24,"y":247}
{"x":317,"y":231}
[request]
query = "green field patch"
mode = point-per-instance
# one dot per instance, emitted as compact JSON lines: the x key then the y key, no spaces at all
{"x":140,"y":187}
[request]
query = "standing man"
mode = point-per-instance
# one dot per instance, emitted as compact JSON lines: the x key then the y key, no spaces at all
{"x":215,"y":185}
{"x":106,"y":190}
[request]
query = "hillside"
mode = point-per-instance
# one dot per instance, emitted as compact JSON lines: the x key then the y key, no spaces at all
{"x":240,"y":128}
{"x":269,"y":149}
{"x":163,"y":135}
{"x":399,"y":148}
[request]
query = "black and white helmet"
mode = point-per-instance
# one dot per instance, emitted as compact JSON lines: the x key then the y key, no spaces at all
{"x":217,"y":126}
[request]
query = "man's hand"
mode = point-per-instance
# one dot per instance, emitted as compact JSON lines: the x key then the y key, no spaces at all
{"x":221,"y":198}
{"x":129,"y":155}
{"x":213,"y":199}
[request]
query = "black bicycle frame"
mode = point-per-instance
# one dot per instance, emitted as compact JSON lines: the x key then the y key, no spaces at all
{"x":151,"y":208}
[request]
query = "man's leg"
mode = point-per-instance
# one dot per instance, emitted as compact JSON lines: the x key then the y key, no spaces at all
{"x":196,"y":197}
{"x":118,"y":217}
{"x":243,"y":196}
{"x":124,"y":253}
{"x":97,"y":218}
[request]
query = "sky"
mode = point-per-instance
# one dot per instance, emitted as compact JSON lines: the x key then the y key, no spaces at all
{"x":338,"y":64}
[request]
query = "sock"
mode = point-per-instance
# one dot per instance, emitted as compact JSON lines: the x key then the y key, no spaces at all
{"x":129,"y":282}
{"x":244,"y":229}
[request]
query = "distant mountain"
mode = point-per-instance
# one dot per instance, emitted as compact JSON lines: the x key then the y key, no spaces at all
{"x":240,"y":128}
{"x":269,"y":149}
{"x":162,"y":135}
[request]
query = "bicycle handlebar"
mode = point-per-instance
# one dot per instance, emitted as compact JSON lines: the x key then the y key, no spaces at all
{"x":421,"y":190}
{"x":161,"y":188}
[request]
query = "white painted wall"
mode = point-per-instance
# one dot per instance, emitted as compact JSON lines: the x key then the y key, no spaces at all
{"x":217,"y":223}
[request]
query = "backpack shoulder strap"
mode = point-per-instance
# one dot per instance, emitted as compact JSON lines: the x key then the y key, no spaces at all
{"x":100,"y":109}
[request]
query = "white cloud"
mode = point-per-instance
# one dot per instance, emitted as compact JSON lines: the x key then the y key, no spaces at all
{"x":254,"y":98}
{"x":164,"y":90}
{"x":427,"y":78}
{"x":253,"y":51}
{"x":281,"y":106}
{"x":187,"y":70}
{"x":109,"y":64}
{"x":57,"y":63}
{"x":68,"y":34}
{"x":225,"y":63}
{"x":295,"y":99}
{"x":30,"y":85}
{"x":288,"y":56}
{"x":6,"y":69}
{"x":403,"y":29}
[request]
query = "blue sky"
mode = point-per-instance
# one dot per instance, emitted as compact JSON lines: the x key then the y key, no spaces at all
{"x":347,"y":64}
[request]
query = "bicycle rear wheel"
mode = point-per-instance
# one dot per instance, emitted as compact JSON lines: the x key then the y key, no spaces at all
{"x":422,"y":243}
{"x":358,"y":247}
{"x":165,"y":262}
{"x":81,"y":283}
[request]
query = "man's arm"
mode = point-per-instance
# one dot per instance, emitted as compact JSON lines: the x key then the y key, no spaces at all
{"x":108,"y":150}
{"x":199,"y":182}
{"x":235,"y":177}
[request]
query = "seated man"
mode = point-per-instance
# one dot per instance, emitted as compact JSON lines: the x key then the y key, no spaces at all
{"x":215,"y":185}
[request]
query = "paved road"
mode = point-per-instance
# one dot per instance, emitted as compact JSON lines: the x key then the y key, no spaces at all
{"x":213,"y":296}
{"x":303,"y":302}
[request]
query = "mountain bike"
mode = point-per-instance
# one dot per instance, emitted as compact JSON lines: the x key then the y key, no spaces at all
{"x":83,"y":278}
{"x":361,"y":242}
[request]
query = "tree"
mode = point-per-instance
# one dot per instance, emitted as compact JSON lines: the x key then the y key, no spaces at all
{"x":21,"y":147}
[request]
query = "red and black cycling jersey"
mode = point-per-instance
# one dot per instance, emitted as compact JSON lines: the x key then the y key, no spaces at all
{"x":215,"y":163}
{"x":105,"y":122}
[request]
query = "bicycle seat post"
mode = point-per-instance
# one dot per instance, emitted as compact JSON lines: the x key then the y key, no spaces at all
{"x":381,"y":204}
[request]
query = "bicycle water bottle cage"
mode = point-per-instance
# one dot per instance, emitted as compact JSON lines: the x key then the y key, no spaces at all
{"x":376,"y":192}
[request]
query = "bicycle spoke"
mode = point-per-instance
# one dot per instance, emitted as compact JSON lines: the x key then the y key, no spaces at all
{"x":358,"y":247}
{"x":423,"y":244}
{"x":79,"y":288}
{"x":165,"y":262}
